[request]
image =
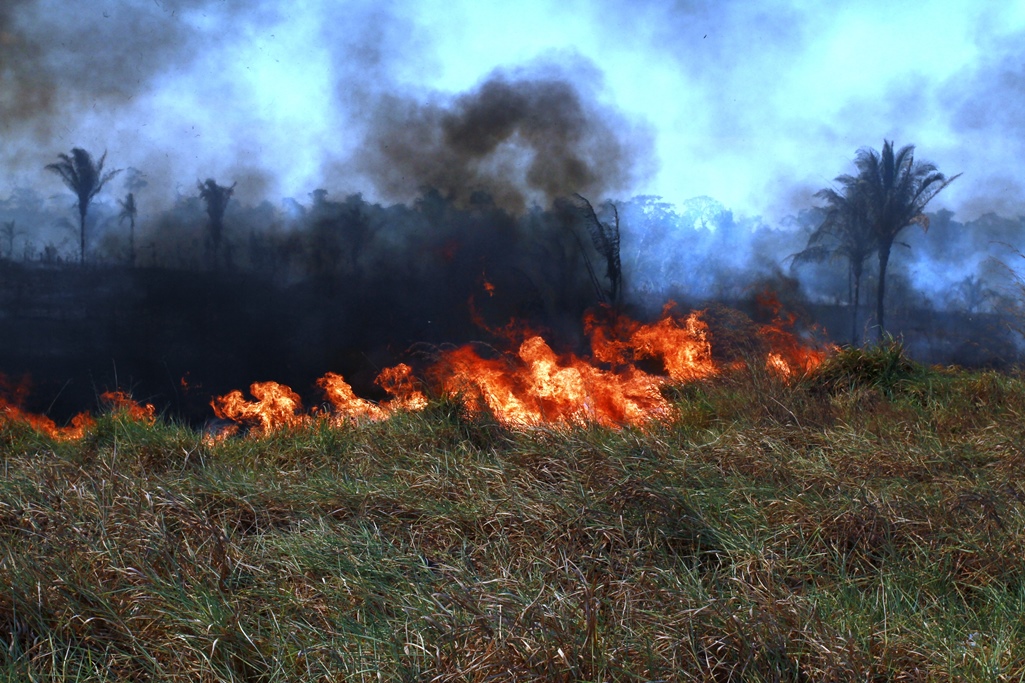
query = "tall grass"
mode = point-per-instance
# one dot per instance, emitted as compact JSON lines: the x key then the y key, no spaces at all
{"x":864,"y":523}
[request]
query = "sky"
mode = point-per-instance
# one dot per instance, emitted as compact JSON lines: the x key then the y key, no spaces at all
{"x":757,"y":105}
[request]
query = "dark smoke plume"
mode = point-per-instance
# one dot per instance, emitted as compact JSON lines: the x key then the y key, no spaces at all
{"x":524,"y":136}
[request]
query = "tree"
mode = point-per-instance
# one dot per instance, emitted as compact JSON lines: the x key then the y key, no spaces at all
{"x":895,"y":189}
{"x":605,"y":237}
{"x":128,"y":213}
{"x":85,"y":178}
{"x":845,"y":232}
{"x":9,"y":233}
{"x":216,"y":198}
{"x":972,"y":294}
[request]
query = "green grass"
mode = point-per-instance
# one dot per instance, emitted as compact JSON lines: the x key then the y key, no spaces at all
{"x":865,"y":523}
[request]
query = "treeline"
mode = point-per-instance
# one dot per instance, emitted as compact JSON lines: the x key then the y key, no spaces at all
{"x":546,"y":262}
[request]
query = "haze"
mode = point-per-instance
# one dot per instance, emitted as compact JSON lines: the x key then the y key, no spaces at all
{"x":755,"y":106}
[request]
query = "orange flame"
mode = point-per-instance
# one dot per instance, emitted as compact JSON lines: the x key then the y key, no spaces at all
{"x":115,"y":401}
{"x":276,"y":406}
{"x":120,"y":402}
{"x":80,"y":423}
{"x":348,"y":406}
{"x":618,"y":383}
{"x":400,"y":383}
{"x":682,"y":347}
{"x":788,"y":357}
{"x":538,"y":387}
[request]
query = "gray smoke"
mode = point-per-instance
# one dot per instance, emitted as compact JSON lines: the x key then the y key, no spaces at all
{"x":530,"y":134}
{"x":60,"y":59}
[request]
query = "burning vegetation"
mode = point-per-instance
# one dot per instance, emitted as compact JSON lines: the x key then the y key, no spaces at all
{"x":229,"y":294}
{"x":619,"y":382}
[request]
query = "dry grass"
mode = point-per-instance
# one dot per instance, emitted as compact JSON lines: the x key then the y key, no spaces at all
{"x":866,"y":523}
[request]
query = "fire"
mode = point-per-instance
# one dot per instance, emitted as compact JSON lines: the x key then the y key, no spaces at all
{"x":276,"y":406}
{"x":279,"y":407}
{"x":775,"y":363}
{"x":618,"y":382}
{"x":347,"y":405}
{"x":79,"y":425}
{"x":120,"y":402}
{"x":115,"y":401}
{"x":536,"y":386}
{"x":682,"y":346}
{"x":789,"y":357}
{"x":400,"y":383}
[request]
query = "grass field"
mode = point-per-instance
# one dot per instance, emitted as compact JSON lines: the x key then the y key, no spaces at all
{"x":864,"y":523}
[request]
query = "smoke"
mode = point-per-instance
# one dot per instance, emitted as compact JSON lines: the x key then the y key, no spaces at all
{"x":60,"y":59}
{"x":745,"y":100}
{"x":985,"y":109}
{"x":756,"y":107}
{"x":526,"y":135}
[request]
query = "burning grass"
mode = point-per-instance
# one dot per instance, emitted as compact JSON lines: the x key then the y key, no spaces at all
{"x":530,"y":384}
{"x":858,"y":524}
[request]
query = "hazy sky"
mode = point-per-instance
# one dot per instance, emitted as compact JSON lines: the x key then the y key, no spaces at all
{"x":757,"y":104}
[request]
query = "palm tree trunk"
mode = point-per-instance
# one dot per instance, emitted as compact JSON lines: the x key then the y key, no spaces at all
{"x":884,"y":259}
{"x":850,"y":281}
{"x":854,"y":311}
{"x":81,"y":232}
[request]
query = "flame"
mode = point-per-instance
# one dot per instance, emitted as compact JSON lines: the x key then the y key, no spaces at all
{"x":681,"y":346}
{"x":536,"y":387}
{"x":115,"y":401}
{"x":79,"y":425}
{"x":276,"y":406}
{"x":618,"y":382}
{"x":489,"y":286}
{"x":120,"y":402}
{"x":775,"y":363}
{"x":347,"y":405}
{"x":399,"y":382}
{"x":788,"y":357}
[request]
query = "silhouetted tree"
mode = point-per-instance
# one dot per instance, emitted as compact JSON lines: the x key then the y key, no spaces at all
{"x":9,"y":233}
{"x":85,"y":178}
{"x":605,"y":237}
{"x":216,"y":198}
{"x":895,"y":189}
{"x":128,"y":213}
{"x":134,"y":179}
{"x":971,"y":293}
{"x":845,"y":232}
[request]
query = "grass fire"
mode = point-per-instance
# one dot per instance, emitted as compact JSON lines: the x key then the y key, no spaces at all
{"x":857,"y":516}
{"x":450,"y":441}
{"x":537,"y":341}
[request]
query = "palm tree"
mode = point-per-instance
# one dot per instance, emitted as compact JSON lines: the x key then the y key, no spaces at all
{"x":895,"y":189}
{"x":845,"y":232}
{"x":85,"y":178}
{"x":128,"y":213}
{"x":216,"y":198}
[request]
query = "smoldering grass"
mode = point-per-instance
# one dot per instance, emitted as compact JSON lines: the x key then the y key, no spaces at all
{"x":837,"y":528}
